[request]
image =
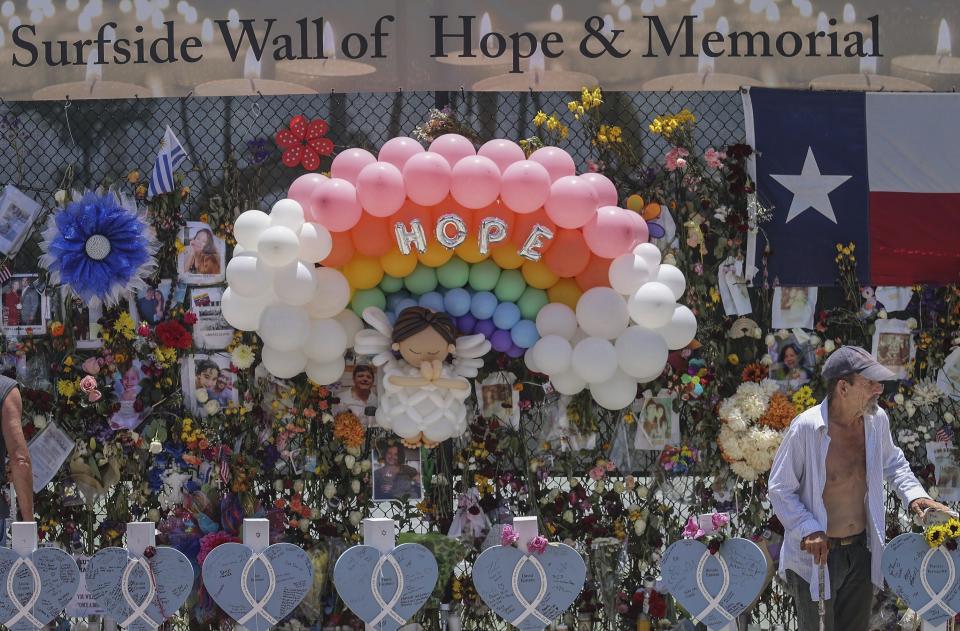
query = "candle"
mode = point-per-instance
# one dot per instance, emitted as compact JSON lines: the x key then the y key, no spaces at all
{"x":867,"y":80}
{"x":251,"y":84}
{"x":469,"y":70}
{"x":92,"y":87}
{"x":217,"y":62}
{"x":325,"y":74}
{"x":766,"y":16}
{"x":707,"y":81}
{"x":537,"y":77}
{"x":941,"y":71}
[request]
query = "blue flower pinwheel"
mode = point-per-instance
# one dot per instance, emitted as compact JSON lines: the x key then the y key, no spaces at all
{"x":99,"y":248}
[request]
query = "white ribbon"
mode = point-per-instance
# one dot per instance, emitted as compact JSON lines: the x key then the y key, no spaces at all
{"x":139,"y":611}
{"x":529,"y":608}
{"x":713,"y":602}
{"x":937,"y":598}
{"x":386,"y":608}
{"x":23,"y":611}
{"x":257,"y":606}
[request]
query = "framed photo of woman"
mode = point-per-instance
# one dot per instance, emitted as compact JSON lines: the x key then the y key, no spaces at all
{"x":203,"y":258}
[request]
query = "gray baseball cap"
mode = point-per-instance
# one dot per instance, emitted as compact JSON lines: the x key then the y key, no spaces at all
{"x":853,"y":359}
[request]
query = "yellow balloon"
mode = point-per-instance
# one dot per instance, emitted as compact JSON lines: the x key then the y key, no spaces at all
{"x":505,"y":255}
{"x":398,"y":264}
{"x":363,"y":272}
{"x":538,"y":275}
{"x":469,"y":251}
{"x":566,"y":291}
{"x":436,"y":255}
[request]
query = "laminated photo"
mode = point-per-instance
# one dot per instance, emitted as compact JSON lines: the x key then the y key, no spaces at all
{"x":203,"y":258}
{"x":209,"y":385}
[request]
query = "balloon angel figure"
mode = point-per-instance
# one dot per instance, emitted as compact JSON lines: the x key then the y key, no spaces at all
{"x":424,"y":385}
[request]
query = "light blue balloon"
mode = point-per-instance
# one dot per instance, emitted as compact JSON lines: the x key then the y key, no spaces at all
{"x":405,"y":304}
{"x":432,"y":300}
{"x":524,"y":334}
{"x":506,"y":315}
{"x":394,"y":299}
{"x":483,"y":304}
{"x":392,"y":317}
{"x":457,"y":302}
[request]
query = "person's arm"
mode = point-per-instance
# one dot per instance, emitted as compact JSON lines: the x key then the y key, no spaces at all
{"x":21,"y":470}
{"x":783,"y":487}
{"x":896,"y":471}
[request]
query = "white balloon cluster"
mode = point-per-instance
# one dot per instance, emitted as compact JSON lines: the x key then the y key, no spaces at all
{"x":299,"y":311}
{"x":618,"y":336}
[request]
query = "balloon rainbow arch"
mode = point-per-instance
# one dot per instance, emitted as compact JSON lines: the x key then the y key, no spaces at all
{"x":539,"y":260}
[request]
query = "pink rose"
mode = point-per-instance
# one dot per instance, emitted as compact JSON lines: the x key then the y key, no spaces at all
{"x":674,"y":157}
{"x":537,"y":545}
{"x":692,"y":530}
{"x":509,"y":536}
{"x":91,"y":366}
{"x":714,"y":158}
{"x":88,"y":385}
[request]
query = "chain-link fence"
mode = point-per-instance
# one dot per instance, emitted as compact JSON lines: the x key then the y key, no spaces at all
{"x":50,"y":145}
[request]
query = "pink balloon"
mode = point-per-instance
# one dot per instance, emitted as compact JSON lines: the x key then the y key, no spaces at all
{"x":642,"y":230}
{"x":302,"y":189}
{"x":398,"y":150}
{"x":476,"y":182}
{"x":525,"y":186}
{"x":614,"y":231}
{"x":334,"y":205}
{"x":453,"y":147}
{"x":503,"y":152}
{"x":380,"y":189}
{"x":572,"y":202}
{"x":557,"y":162}
{"x":426,"y":177}
{"x":348,"y":164}
{"x":606,"y":190}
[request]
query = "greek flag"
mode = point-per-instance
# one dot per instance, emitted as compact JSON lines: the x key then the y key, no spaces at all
{"x":170,"y":156}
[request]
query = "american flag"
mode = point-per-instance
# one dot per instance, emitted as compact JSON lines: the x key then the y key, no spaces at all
{"x":945,"y":434}
{"x":5,"y":273}
{"x":169,"y":158}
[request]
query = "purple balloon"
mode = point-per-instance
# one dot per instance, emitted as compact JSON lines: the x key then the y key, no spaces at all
{"x":500,"y":340}
{"x":487,"y":327}
{"x":466,"y":323}
{"x":515,"y":351}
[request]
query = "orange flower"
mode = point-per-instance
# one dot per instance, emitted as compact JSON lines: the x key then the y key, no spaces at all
{"x":347,"y":428}
{"x":754,"y":372}
{"x":56,"y":329}
{"x":779,"y":413}
{"x":280,"y":503}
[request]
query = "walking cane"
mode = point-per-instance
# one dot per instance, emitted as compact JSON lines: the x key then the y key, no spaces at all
{"x":821,"y":605}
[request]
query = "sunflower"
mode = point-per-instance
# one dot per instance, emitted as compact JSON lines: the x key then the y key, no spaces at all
{"x":952,"y":528}
{"x":935,"y":535}
{"x":754,"y":372}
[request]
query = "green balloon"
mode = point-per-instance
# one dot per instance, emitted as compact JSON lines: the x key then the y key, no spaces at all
{"x":364,"y":298}
{"x":421,"y":280}
{"x":531,"y":302}
{"x":391,"y":284}
{"x":510,"y":286}
{"x":454,"y":273}
{"x":484,"y":276}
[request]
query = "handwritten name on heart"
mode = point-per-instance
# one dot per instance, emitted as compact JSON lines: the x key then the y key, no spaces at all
{"x":385,"y":590}
{"x":34,"y":589}
{"x":529,"y":591}
{"x":926,"y":578}
{"x":137,"y":592}
{"x":257,"y":590}
{"x":715,"y":588}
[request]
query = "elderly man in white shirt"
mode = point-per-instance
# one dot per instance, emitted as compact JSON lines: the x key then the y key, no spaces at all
{"x":826,"y":487}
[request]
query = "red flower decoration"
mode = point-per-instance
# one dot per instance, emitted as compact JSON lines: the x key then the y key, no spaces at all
{"x":304,"y":142}
{"x":171,"y":333}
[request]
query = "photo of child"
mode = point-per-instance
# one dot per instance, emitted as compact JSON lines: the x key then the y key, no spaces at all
{"x":657,"y":424}
{"x":126,"y":387}
{"x":210,"y":384}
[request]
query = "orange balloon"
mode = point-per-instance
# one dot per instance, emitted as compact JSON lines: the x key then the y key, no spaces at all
{"x":524,"y":224}
{"x":505,"y":255}
{"x":448,"y":207}
{"x":566,"y":291}
{"x":436,"y":254}
{"x":469,"y":250}
{"x":373,"y":236}
{"x":651,"y":211}
{"x":597,"y":273}
{"x":342,"y":250}
{"x":398,"y":264}
{"x":569,"y":255}
{"x":538,"y":275}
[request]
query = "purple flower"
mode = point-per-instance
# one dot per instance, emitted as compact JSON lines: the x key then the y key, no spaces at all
{"x":537,"y":545}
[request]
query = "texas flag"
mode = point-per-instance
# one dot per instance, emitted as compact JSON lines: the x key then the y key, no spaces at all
{"x":880,"y":170}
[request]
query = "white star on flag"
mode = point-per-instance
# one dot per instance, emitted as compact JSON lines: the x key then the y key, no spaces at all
{"x":811,"y":189}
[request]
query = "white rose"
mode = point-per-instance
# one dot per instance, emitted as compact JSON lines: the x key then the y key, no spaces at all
{"x":618,"y":487}
{"x":355,"y":517}
{"x":642,"y":492}
{"x":770,"y":340}
{"x":757,"y":333}
{"x":212,"y":406}
{"x":600,"y":487}
{"x":39,"y":421}
{"x":298,"y":486}
{"x":305,"y":525}
{"x":829,"y":346}
{"x":348,"y":461}
{"x":278,"y":485}
{"x":353,"y":451}
{"x":358,"y":468}
{"x":315,"y":513}
{"x":639,"y":526}
{"x":60,"y":196}
{"x":355,"y":486}
{"x":568,"y":516}
{"x":949,"y":417}
{"x":882,"y":315}
{"x":898,"y":398}
{"x":911,"y":323}
{"x":327,"y":418}
{"x":329,"y":490}
{"x":766,"y":360}
{"x":815,"y":340}
{"x":201,"y":395}
{"x":365,"y":465}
